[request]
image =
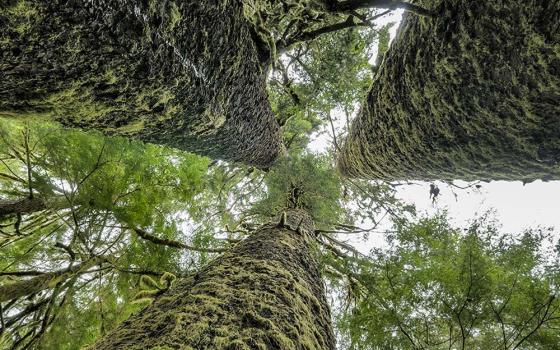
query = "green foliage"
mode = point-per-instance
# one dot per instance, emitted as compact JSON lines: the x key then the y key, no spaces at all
{"x":331,"y":72}
{"x":438,"y":287}
{"x":334,"y":70}
{"x":94,"y":190}
{"x":319,"y":186}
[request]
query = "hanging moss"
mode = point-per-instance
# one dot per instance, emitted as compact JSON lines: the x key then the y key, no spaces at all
{"x":181,"y":73}
{"x":264,"y":294}
{"x":472,"y":93}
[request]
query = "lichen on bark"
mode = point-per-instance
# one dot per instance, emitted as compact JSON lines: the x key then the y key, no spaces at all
{"x":266,"y":293}
{"x":181,"y":73}
{"x":472,"y":93}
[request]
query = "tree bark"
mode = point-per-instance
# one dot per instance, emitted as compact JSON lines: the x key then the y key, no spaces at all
{"x":266,"y":293}
{"x":472,"y":93}
{"x":21,"y":206}
{"x":182,"y":73}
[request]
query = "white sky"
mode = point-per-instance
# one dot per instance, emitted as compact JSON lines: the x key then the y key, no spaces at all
{"x":516,"y":206}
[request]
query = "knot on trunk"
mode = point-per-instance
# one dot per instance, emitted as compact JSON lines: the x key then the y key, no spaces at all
{"x":297,"y":220}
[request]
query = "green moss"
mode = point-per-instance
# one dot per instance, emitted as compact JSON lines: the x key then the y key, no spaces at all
{"x":77,"y":101}
{"x":20,"y":15}
{"x":265,"y":294}
{"x":162,"y":72}
{"x":472,"y":93}
{"x":174,"y":15}
{"x":110,"y":77}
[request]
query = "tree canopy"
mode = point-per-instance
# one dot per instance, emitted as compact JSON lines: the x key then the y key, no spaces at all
{"x":437,"y":286}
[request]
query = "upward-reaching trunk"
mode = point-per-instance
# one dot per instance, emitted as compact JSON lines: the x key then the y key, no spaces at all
{"x":182,"y":73}
{"x":266,"y":293}
{"x":470,"y":93}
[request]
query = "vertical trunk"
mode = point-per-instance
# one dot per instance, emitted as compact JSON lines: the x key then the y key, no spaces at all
{"x":266,"y":293}
{"x":182,"y":73}
{"x":472,"y":93}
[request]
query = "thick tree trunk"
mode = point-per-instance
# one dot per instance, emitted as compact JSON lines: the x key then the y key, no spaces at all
{"x":472,"y":93}
{"x":266,"y":293}
{"x":181,"y":73}
{"x":21,"y":206}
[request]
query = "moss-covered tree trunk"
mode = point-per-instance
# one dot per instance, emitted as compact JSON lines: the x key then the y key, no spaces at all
{"x":266,"y":293}
{"x":181,"y":73}
{"x":21,"y":206}
{"x":472,"y":93}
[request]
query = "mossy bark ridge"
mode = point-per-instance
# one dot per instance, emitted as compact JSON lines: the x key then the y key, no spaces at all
{"x":266,"y":293}
{"x":472,"y":93}
{"x":181,"y":73}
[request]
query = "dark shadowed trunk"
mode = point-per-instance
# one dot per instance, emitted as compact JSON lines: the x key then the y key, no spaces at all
{"x":181,"y":73}
{"x":21,"y":206}
{"x":266,"y":293}
{"x":472,"y":93}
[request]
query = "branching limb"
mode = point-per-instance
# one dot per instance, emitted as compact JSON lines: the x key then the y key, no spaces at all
{"x":45,"y":281}
{"x":283,"y":45}
{"x":67,"y":249}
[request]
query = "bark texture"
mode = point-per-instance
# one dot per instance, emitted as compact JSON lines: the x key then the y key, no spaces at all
{"x":182,"y":73}
{"x":21,"y":206}
{"x":472,"y":93}
{"x":264,"y":294}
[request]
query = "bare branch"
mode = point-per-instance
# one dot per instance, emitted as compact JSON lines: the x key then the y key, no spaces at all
{"x":283,"y":45}
{"x":352,"y":5}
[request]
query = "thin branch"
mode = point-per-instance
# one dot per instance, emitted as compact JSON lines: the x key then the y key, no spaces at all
{"x":174,"y":244}
{"x":539,"y":324}
{"x":67,"y":249}
{"x":28,"y":161}
{"x":336,"y":148}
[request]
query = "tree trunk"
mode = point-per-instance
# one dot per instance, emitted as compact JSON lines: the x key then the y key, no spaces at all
{"x":266,"y":293}
{"x":182,"y":73}
{"x":21,"y":206}
{"x":472,"y":93}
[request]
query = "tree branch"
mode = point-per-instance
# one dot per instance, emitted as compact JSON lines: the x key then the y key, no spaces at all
{"x":174,"y":244}
{"x":45,"y":281}
{"x":283,"y":45}
{"x":539,"y":324}
{"x":352,"y":5}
